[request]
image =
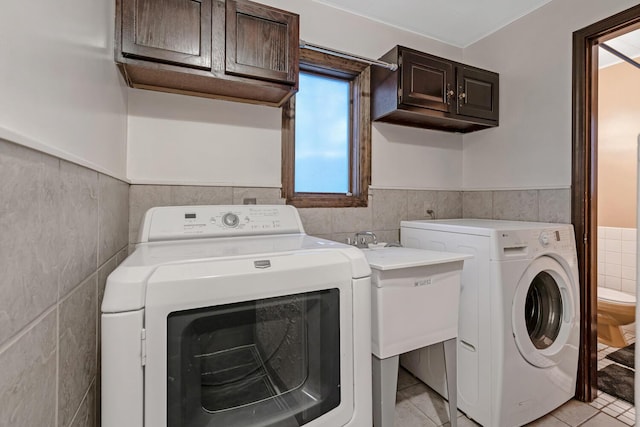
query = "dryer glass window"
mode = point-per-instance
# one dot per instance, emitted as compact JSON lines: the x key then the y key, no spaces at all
{"x":543,"y":310}
{"x":268,"y":362}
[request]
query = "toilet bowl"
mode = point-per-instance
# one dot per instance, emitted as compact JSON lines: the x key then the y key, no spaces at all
{"x":615,"y":309}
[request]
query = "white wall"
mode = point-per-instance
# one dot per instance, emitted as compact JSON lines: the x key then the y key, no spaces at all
{"x":61,"y":92}
{"x":175,"y":139}
{"x":415,"y":158}
{"x":532,"y":146}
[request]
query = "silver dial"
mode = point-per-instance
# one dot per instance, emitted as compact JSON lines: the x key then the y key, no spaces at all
{"x":544,"y":238}
{"x":230,"y":219}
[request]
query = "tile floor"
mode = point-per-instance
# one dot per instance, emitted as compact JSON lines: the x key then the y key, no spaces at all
{"x":419,"y":406}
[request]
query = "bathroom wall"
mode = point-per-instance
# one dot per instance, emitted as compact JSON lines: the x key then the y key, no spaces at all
{"x":617,"y":261}
{"x":618,"y":130}
{"x":64,"y":229}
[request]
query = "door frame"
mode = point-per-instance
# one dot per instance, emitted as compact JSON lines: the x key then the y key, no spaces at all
{"x":584,"y":200}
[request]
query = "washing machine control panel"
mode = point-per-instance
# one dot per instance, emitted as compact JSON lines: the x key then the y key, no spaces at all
{"x":560,"y":240}
{"x":184,"y":222}
{"x":526,"y":243}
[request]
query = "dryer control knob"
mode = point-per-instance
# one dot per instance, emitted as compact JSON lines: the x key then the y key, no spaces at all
{"x":230,"y":219}
{"x":544,"y":239}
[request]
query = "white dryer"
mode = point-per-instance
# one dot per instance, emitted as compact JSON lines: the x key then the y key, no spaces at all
{"x":233,"y":316}
{"x":518,"y":336}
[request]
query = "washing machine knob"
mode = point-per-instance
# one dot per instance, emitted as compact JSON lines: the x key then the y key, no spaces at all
{"x":544,"y":238}
{"x":230,"y":219}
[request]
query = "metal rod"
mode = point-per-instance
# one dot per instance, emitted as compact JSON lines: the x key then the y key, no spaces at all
{"x":310,"y":46}
{"x":619,"y":55}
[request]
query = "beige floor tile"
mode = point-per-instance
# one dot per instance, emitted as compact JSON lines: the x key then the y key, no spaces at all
{"x":428,"y":401}
{"x":405,"y":379}
{"x":603,"y":420}
{"x":465,"y":422}
{"x":627,"y":419}
{"x":548,"y":421}
{"x":407,"y":415}
{"x":574,"y":412}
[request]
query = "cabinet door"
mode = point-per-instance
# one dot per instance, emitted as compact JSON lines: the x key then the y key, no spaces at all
{"x":477,"y":93}
{"x":426,"y":81}
{"x":261,"y":42}
{"x":171,"y":31}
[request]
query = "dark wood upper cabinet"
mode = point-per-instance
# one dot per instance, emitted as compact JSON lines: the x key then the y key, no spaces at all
{"x":261,"y":42}
{"x":234,"y":49}
{"x":427,"y":81}
{"x":172,"y":31}
{"x":435,"y":93}
{"x":477,"y":93}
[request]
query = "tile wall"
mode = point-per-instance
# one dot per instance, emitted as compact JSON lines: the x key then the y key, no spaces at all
{"x":552,"y":205}
{"x":617,"y":258}
{"x":63,"y":229}
{"x":383,"y":215}
{"x":144,"y":197}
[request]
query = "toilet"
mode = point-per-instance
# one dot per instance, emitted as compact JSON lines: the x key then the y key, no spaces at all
{"x":615,"y":309}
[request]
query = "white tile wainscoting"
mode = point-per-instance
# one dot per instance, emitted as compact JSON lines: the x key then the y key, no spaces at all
{"x":617,"y":258}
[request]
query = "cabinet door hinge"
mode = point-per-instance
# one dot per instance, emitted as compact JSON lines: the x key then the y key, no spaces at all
{"x":143,"y":347}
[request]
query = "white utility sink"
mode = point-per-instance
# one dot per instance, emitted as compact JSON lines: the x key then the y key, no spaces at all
{"x":414,"y":304}
{"x":415,"y":294}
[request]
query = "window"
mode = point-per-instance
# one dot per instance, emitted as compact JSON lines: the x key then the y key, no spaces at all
{"x":326,"y":142}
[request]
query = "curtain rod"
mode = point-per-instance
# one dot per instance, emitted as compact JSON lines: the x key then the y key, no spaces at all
{"x":317,"y":48}
{"x":619,"y":55}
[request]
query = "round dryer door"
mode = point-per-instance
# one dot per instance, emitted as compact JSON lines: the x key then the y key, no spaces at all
{"x":543,"y":312}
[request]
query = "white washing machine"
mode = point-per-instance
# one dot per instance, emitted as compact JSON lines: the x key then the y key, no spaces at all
{"x":233,"y":316}
{"x":518,"y":333}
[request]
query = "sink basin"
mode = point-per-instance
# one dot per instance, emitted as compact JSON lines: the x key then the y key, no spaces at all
{"x":415,"y":296}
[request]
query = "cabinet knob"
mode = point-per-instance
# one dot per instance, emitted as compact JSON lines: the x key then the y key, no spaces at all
{"x":462,"y":95}
{"x":450,"y":93}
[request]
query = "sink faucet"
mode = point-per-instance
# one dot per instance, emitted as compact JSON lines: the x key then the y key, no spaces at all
{"x":360,"y":238}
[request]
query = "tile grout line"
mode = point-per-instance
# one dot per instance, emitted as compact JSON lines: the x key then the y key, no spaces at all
{"x":19,"y":334}
{"x":86,"y":394}
{"x":57,"y":393}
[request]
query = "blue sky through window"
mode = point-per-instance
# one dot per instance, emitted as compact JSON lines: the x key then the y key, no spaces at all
{"x":322,"y":135}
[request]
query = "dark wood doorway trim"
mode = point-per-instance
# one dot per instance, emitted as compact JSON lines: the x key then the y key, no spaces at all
{"x":584,"y":181}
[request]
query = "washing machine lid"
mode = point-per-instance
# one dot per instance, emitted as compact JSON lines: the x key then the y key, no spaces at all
{"x":479,"y":227}
{"x":615,"y":296}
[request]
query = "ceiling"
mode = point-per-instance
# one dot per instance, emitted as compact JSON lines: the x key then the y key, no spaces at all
{"x":464,"y":22}
{"x":627,"y":44}
{"x":455,"y":22}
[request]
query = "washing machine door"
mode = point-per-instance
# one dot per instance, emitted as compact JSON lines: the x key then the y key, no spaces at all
{"x":544,"y":310}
